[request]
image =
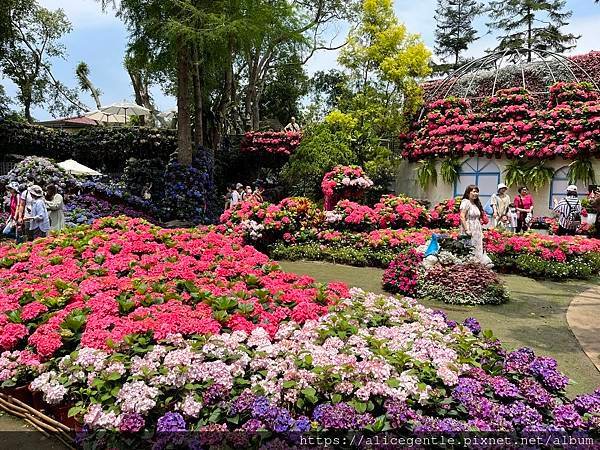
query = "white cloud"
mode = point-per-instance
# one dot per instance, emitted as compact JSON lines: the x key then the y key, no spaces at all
{"x":84,"y":13}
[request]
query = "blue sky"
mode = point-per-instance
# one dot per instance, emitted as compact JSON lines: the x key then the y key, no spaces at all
{"x":99,"y":39}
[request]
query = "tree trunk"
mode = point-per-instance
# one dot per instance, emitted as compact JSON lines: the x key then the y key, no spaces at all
{"x":529,"y":43}
{"x":27,"y":100}
{"x":198,"y":106}
{"x":184,"y":132}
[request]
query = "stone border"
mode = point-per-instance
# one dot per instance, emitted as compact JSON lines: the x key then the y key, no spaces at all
{"x":583,"y":318}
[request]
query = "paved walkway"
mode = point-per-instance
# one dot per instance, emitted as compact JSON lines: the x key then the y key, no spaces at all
{"x":583,"y":317}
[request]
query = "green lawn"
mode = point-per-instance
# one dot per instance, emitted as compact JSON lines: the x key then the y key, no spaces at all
{"x":535,"y":317}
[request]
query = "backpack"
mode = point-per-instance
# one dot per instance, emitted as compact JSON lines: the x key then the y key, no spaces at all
{"x":573,"y":217}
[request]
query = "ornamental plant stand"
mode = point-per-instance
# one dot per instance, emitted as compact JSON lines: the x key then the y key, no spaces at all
{"x":36,"y":419}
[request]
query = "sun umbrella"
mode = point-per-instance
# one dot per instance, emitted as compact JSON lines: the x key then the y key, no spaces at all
{"x":169,"y":114}
{"x":104,"y":117}
{"x":125,"y":108}
{"x":74,"y":168}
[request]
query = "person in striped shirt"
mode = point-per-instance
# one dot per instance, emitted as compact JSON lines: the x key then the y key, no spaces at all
{"x":569,"y":212}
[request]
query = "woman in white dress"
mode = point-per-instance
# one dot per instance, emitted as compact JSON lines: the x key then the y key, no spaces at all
{"x":471,"y":212}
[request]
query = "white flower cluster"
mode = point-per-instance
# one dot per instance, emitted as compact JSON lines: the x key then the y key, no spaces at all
{"x":253,"y":228}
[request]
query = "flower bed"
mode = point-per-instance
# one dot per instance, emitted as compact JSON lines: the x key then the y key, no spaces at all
{"x":40,"y":171}
{"x":508,"y":125}
{"x":549,"y":257}
{"x":97,"y":285}
{"x":273,"y":142}
{"x":134,"y":328}
{"x":85,"y":209}
{"x":450,"y":276}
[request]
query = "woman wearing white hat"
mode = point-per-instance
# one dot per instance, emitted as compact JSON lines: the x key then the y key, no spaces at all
{"x":500,"y":202}
{"x":569,"y":212}
{"x":39,"y":220}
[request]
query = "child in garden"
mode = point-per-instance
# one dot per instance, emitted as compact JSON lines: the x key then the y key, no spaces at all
{"x":39,"y":219}
{"x":513,"y":216}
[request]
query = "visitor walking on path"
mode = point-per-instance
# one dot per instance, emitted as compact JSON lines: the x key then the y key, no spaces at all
{"x":39,"y":220}
{"x":595,"y":207}
{"x":524,"y":205}
{"x":10,"y":228}
{"x":569,"y":212}
{"x":56,"y":208}
{"x":24,"y":212}
{"x":500,"y":203}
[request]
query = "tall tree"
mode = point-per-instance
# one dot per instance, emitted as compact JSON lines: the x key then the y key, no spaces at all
{"x":82,"y":71}
{"x":34,"y":38}
{"x":454,"y":27}
{"x":532,"y":24}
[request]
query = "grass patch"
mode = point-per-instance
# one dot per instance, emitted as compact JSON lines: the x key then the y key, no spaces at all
{"x":535,"y":316}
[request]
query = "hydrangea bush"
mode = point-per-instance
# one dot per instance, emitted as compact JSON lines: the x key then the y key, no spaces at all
{"x":40,"y":171}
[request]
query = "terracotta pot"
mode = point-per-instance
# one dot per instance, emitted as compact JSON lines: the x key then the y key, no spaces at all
{"x":61,"y":414}
{"x":20,"y":393}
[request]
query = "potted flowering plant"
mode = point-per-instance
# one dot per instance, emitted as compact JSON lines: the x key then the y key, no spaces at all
{"x":344,"y":182}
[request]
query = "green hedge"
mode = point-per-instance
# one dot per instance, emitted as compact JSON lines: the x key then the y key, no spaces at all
{"x":106,"y":148}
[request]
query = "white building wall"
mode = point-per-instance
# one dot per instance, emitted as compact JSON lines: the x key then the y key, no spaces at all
{"x":406,"y":183}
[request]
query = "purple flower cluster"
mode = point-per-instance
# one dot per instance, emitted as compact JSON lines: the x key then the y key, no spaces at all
{"x":214,"y":393}
{"x":171,"y":422}
{"x":399,"y":413}
{"x":472,"y":324}
{"x":341,"y":416}
{"x":565,"y":416}
{"x":546,"y":369}
{"x":535,"y":393}
{"x":503,"y":388}
{"x":131,"y":423}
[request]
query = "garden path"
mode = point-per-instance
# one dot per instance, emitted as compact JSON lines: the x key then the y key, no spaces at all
{"x":583,"y":316}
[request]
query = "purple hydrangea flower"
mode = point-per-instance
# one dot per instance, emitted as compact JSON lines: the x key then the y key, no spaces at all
{"x":253,"y":425}
{"x":399,"y":413}
{"x":214,"y":393}
{"x":131,"y":423}
{"x":503,"y":388}
{"x":472,"y":324}
{"x":301,"y":424}
{"x":283,"y":421}
{"x":535,"y":393}
{"x":466,"y":389}
{"x":260,"y":406}
{"x":171,"y":422}
{"x":587,"y":403}
{"x":567,"y":417}
{"x":546,"y":369}
{"x":243,"y":403}
{"x":519,"y":360}
{"x":521,"y":415}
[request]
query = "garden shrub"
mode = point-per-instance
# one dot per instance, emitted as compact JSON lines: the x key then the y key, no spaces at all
{"x":463,"y":284}
{"x":403,"y":274}
{"x":40,"y":171}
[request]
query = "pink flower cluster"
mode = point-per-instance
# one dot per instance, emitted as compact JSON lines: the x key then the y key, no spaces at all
{"x":344,"y":182}
{"x":507,"y":124}
{"x":123,"y":276}
{"x":274,"y":142}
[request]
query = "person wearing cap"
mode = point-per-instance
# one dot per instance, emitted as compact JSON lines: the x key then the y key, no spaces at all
{"x":524,"y":205}
{"x":500,"y":201}
{"x":568,"y":211}
{"x":10,"y":227}
{"x":39,"y":222}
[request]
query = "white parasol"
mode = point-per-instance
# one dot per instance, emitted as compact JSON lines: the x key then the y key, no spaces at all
{"x":74,"y":168}
{"x":104,"y":117}
{"x":126,"y":108}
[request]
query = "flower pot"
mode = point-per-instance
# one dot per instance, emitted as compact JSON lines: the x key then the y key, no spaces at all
{"x":20,"y":393}
{"x":37,"y":400}
{"x":61,"y":414}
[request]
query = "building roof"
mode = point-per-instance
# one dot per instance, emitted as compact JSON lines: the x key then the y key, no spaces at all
{"x":69,"y":122}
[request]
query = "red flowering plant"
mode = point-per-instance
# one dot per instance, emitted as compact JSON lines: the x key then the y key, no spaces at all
{"x":400,"y":212}
{"x":273,"y":142}
{"x":96,"y":285}
{"x":402,"y":275}
{"x":344,"y":182}
{"x":446,"y":214}
{"x":349,"y":215}
{"x":571,"y":93}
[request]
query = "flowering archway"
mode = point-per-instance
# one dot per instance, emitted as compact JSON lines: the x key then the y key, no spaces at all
{"x":481,"y":172}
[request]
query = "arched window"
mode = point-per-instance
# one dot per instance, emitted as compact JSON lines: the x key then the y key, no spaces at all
{"x":482,"y":172}
{"x":560,"y":181}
